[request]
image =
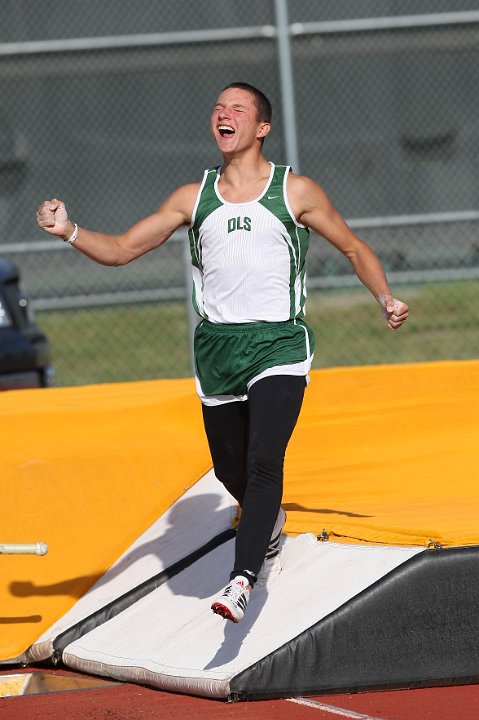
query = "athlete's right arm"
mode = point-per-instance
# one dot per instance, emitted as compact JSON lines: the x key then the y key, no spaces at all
{"x":145,"y":235}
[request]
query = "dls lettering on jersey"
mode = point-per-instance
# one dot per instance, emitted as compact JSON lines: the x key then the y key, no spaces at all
{"x":239,"y":223}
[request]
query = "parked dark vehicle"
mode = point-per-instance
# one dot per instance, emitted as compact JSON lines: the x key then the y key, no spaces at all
{"x":25,"y":359}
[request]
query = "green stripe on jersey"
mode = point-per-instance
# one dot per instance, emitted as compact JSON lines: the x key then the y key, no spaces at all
{"x":298,"y":237}
{"x":207,"y":204}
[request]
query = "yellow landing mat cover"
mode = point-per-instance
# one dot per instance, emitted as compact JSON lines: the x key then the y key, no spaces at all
{"x":384,"y":454}
{"x":388,"y":454}
{"x":86,"y":470}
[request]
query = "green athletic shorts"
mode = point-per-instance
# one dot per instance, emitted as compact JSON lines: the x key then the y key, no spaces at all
{"x":229,"y":358}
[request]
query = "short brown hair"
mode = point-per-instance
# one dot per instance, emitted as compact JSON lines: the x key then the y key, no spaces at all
{"x":263,"y":105}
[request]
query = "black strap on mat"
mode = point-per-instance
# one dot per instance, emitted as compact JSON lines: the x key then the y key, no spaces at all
{"x":115,"y":607}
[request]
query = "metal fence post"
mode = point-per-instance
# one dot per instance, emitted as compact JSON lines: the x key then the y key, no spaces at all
{"x":285,"y":65}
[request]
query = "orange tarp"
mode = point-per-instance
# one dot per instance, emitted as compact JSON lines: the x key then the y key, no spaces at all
{"x":86,"y":470}
{"x":388,"y":454}
{"x":385,"y":454}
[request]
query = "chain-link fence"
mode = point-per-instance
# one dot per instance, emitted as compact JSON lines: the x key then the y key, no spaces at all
{"x":107,"y":106}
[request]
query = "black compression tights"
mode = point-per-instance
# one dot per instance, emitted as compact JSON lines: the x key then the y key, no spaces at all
{"x":248,"y":442}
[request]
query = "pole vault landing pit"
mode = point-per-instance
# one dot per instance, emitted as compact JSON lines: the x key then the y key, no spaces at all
{"x":339,"y":618}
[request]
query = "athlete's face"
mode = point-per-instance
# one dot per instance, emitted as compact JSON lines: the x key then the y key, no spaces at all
{"x":234,"y":122}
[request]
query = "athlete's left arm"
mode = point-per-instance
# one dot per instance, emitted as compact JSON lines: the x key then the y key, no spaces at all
{"x":312,"y":207}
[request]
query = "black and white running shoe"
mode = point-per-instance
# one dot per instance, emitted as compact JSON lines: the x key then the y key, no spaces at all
{"x":271,"y":566}
{"x":233,"y":600}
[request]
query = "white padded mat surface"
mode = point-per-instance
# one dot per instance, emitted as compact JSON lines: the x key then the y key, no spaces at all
{"x":204,"y":511}
{"x":171,"y":639}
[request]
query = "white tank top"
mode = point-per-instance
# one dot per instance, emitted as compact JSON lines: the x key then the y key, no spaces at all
{"x":248,"y":258}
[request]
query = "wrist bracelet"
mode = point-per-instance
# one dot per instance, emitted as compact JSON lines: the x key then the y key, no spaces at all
{"x":73,"y":236}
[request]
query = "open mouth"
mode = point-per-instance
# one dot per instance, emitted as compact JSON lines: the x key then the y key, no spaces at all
{"x":226,"y":130}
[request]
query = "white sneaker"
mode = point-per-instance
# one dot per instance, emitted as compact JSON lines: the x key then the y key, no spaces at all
{"x":271,"y":566}
{"x":233,"y":600}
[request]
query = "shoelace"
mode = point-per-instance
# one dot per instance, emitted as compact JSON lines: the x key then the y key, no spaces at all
{"x":234,"y":591}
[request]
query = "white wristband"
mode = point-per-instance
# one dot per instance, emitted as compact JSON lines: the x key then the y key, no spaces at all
{"x":74,"y":235}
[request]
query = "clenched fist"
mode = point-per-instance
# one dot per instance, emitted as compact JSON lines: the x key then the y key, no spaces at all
{"x":395,"y":311}
{"x":52,"y":217}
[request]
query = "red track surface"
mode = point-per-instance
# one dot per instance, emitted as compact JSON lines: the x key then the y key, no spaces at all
{"x":132,"y":702}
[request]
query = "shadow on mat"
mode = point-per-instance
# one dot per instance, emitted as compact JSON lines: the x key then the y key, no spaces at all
{"x":189,"y":524}
{"x":74,"y":587}
{"x":295,"y":507}
{"x":235,"y":634}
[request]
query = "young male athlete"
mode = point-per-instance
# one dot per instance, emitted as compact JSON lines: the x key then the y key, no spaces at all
{"x":249,"y":224}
